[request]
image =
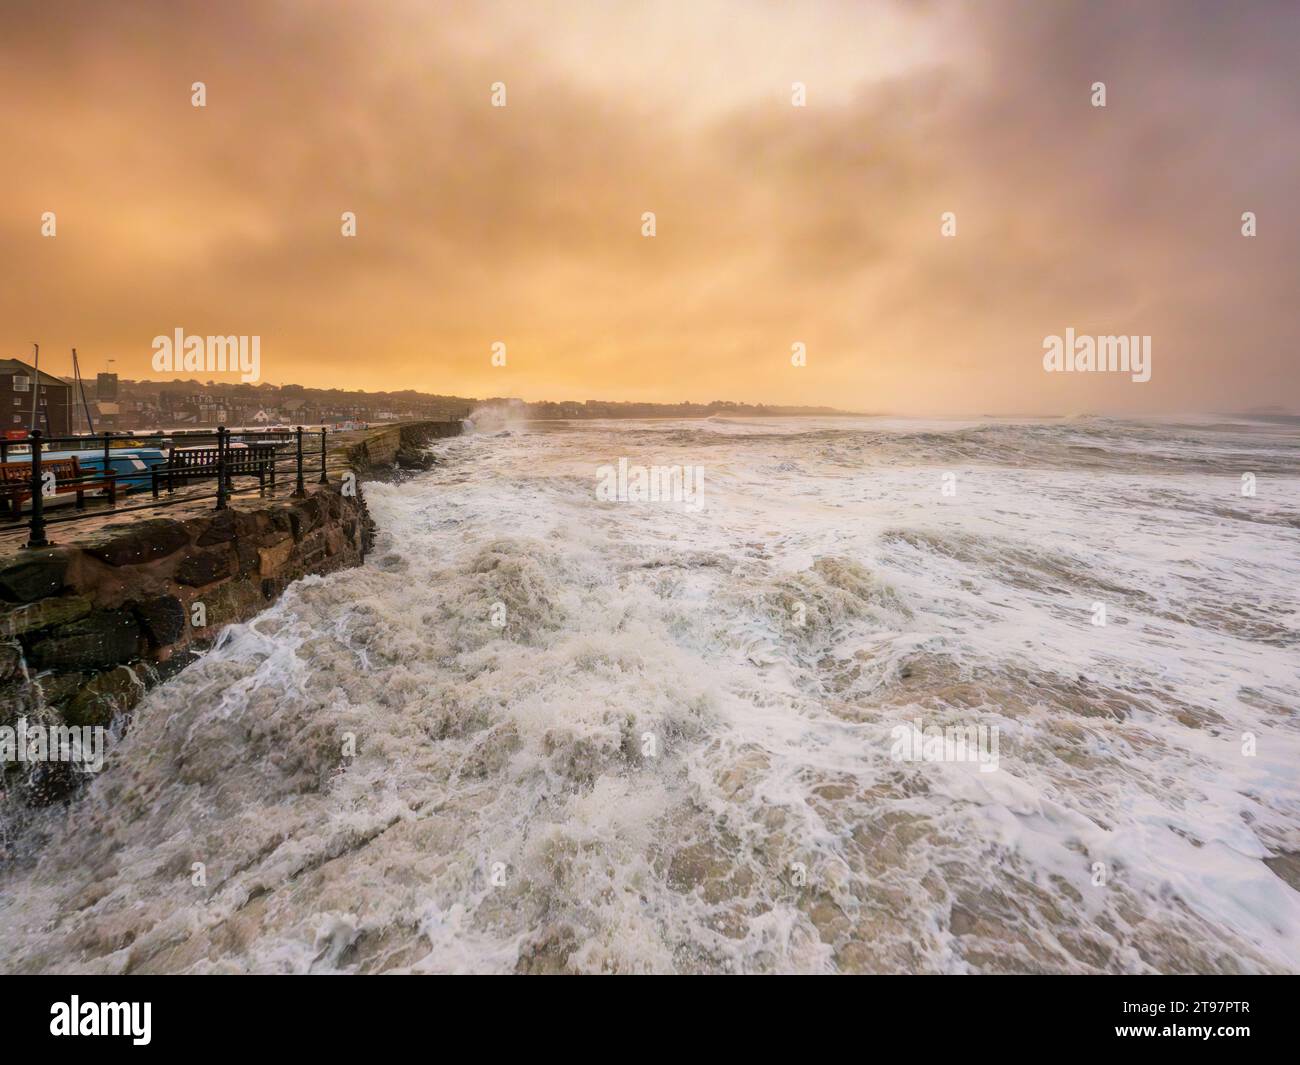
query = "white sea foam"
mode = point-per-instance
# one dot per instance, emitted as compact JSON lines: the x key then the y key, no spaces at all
{"x":502,"y":813}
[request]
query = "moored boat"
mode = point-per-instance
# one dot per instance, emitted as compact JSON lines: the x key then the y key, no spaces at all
{"x":130,"y":465}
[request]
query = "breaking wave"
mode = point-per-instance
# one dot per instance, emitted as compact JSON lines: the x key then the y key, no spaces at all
{"x":538,"y":733}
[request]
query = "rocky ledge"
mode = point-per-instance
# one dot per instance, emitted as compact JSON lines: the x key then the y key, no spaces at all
{"x":382,"y":454}
{"x":87,"y":628}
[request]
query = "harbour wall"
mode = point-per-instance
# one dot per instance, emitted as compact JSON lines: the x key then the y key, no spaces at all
{"x":89,"y":625}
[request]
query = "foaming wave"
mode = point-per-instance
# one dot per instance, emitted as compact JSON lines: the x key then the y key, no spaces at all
{"x":539,"y":733}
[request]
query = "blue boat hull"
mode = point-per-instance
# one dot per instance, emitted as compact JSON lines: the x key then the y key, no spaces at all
{"x":131,"y":465}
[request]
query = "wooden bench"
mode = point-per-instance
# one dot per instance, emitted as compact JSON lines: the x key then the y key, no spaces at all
{"x":197,"y":463}
{"x":16,"y":483}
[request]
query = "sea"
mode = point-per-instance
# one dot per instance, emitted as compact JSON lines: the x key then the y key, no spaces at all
{"x":874,"y":696}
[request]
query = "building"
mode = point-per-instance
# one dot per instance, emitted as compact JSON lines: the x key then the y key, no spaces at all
{"x":108,"y":415}
{"x":53,"y":399}
{"x":106,"y":386}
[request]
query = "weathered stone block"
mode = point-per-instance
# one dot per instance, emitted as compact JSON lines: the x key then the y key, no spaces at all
{"x":413,"y":459}
{"x":11,"y":656}
{"x":221,"y":529}
{"x":162,"y":619}
{"x":274,"y":558}
{"x":334,"y":541}
{"x":11,"y":708}
{"x":35,"y":575}
{"x":16,"y":699}
{"x":209,"y":567}
{"x":143,"y":541}
{"x":233,"y":601}
{"x":101,"y":640}
{"x":57,"y":688}
{"x":43,"y":614}
{"x":158,"y":672}
{"x":116,"y":691}
{"x":306,"y":515}
{"x":246,"y":551}
{"x":311,"y":551}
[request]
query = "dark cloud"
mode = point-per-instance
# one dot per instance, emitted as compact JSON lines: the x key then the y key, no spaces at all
{"x":776,"y":224}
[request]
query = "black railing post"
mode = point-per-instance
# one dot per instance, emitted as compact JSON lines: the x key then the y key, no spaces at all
{"x":221,"y":467}
{"x":300,"y":489}
{"x":110,"y":478}
{"x":36,"y":535}
{"x":323,"y":478}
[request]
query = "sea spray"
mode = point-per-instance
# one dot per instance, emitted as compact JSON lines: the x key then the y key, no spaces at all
{"x":649,"y":766}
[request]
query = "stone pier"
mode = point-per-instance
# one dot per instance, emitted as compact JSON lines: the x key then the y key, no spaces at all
{"x":87,"y":626}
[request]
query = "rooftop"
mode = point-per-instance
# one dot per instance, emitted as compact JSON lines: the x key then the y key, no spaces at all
{"x":17,"y":366}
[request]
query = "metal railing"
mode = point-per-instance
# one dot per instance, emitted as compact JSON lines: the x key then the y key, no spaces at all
{"x":267,"y":452}
{"x":270,"y":452}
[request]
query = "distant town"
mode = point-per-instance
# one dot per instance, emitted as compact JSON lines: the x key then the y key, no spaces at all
{"x":113,"y":403}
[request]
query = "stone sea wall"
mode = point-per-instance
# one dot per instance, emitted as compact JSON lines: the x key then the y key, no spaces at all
{"x":384,"y":452}
{"x":86,"y":627}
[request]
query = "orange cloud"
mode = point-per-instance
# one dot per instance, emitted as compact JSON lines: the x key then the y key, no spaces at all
{"x":776,"y":224}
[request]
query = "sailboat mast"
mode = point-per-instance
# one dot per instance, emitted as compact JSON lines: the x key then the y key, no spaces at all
{"x":81,"y":385}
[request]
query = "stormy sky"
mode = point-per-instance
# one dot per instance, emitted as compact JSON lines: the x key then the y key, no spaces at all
{"x":776,"y":224}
